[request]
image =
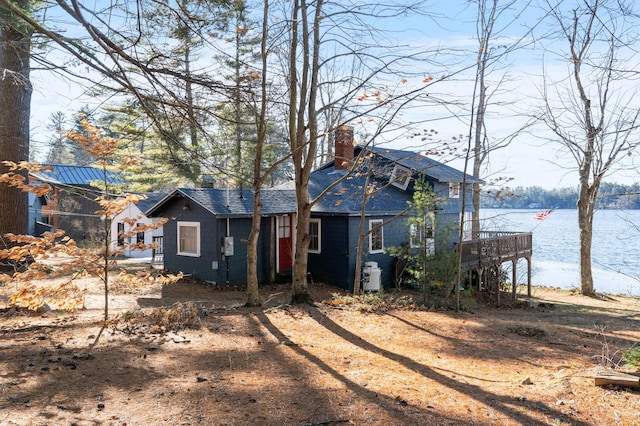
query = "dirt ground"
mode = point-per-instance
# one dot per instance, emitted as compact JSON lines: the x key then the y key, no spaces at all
{"x":329,"y":364}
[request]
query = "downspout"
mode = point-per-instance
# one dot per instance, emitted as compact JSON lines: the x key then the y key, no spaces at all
{"x":226,"y":258}
{"x":227,"y":234}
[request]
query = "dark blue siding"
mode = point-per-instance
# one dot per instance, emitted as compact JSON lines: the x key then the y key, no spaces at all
{"x":453,"y":205}
{"x":233,"y":269}
{"x":264,"y":250}
{"x":336,"y":264}
{"x":230,"y":269}
{"x":395,"y":234}
{"x":331,"y":266}
{"x":447,"y":230}
{"x":198,"y":267}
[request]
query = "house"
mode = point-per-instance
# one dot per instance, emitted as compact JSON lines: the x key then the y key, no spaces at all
{"x":37,"y":224}
{"x":120,"y":226}
{"x":389,"y":175}
{"x":208,"y":228}
{"x":207,"y":231}
{"x":71,"y":205}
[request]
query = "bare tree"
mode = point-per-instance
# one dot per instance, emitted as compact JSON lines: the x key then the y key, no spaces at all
{"x":593,"y":115}
{"x":323,"y":35}
{"x":494,"y":19}
{"x":253,"y":295}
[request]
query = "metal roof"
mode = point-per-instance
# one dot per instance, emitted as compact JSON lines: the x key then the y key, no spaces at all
{"x":75,"y":175}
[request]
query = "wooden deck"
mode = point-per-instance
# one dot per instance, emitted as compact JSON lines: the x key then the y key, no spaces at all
{"x":492,"y":249}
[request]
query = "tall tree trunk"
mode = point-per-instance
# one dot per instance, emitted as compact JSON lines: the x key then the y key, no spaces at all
{"x":15,"y":102}
{"x":479,"y":148}
{"x":362,"y":237}
{"x":303,"y":135}
{"x":585,"y":225}
{"x":253,"y":294}
{"x":301,"y":254}
{"x":237,"y":102}
{"x":586,"y":207}
{"x":191,"y":113}
{"x":485,"y":22}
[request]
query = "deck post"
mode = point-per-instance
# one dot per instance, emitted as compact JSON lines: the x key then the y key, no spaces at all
{"x":496,"y":282}
{"x":514,"y":265}
{"x":529,"y":276}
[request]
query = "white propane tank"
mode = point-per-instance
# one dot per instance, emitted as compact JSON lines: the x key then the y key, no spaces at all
{"x":371,"y":274}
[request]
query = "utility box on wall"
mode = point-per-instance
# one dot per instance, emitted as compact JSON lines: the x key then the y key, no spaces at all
{"x":228,"y":246}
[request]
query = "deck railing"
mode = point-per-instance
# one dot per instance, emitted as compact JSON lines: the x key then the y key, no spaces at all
{"x":496,"y":247}
{"x":157,"y":253}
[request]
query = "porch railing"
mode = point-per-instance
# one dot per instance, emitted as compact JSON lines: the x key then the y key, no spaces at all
{"x":496,"y":247}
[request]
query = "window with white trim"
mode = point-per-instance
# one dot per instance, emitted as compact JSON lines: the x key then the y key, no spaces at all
{"x":467,"y":229}
{"x":400,"y":177}
{"x":188,"y":238}
{"x":120,"y":235}
{"x":415,"y":235}
{"x":454,"y":189}
{"x":284,"y":226}
{"x":314,"y":234}
{"x":422,"y":233}
{"x":376,"y":237}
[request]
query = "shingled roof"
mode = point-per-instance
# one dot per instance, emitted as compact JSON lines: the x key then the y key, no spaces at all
{"x":150,"y":201}
{"x":420,"y":163}
{"x":233,"y":203}
{"x":343,"y":199}
{"x":346,"y":197}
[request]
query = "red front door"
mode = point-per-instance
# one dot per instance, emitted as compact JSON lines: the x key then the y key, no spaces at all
{"x":285,"y":246}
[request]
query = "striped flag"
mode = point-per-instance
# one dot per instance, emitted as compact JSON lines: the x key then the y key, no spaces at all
{"x":541,"y":215}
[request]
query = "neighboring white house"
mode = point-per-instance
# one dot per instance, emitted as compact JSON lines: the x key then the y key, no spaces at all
{"x":121,"y":224}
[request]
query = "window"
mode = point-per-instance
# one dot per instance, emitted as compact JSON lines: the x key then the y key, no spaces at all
{"x":284,"y":227}
{"x":415,"y":235}
{"x":400,"y":177}
{"x":139,"y":237}
{"x":454,"y":190}
{"x":314,"y":234}
{"x":376,"y":237}
{"x":423,"y":234}
{"x":467,"y":230}
{"x":120,"y":234}
{"x":189,"y":239}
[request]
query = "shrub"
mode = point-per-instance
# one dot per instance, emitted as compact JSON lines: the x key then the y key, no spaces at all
{"x":632,"y":356}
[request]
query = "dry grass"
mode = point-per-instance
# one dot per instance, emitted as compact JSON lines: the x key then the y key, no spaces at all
{"x":333,"y":363}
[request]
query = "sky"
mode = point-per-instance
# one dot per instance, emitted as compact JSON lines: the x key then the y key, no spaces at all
{"x":528,"y":161}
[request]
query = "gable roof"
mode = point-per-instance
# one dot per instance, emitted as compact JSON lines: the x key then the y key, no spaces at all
{"x":62,"y":174}
{"x":420,"y":163}
{"x":346,"y":197}
{"x":239,"y":204}
{"x":150,"y":201}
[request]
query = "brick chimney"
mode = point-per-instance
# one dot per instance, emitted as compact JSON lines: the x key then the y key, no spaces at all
{"x":343,"y":148}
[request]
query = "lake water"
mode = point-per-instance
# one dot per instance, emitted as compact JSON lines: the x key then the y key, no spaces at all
{"x":615,"y":252}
